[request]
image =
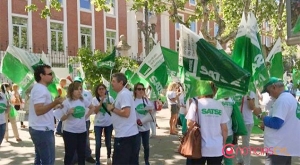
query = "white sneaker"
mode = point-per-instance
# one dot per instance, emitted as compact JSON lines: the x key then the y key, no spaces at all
{"x":108,"y":161}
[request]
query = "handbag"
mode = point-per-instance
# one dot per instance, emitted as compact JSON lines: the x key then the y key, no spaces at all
{"x":190,"y":146}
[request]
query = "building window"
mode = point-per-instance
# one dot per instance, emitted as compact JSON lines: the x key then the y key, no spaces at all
{"x":216,"y":29}
{"x":193,"y":26}
{"x":111,"y":4}
{"x":110,"y":40}
{"x":177,"y":45}
{"x":85,"y":4}
{"x":57,"y":43}
{"x":177,"y":24}
{"x":20,"y":32}
{"x":86,"y":37}
{"x":193,"y":2}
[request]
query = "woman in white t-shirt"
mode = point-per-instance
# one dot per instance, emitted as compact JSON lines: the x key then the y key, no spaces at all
{"x":182,"y":110}
{"x":102,"y":121}
{"x":143,"y":108}
{"x":173,"y":100}
{"x":74,"y":113}
{"x":4,"y":109}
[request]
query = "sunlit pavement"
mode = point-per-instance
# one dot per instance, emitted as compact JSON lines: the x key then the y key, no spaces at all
{"x":163,"y":147}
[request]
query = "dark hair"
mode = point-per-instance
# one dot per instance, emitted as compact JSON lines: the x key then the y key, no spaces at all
{"x":4,"y":86}
{"x":135,"y":87}
{"x":120,"y":77}
{"x":40,"y":69}
{"x":73,"y":86}
{"x":96,"y":89}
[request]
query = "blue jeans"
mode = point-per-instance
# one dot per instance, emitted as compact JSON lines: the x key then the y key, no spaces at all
{"x":59,"y":127}
{"x":98,"y":135}
{"x":144,"y":139}
{"x":2,"y":131}
{"x":126,"y":150}
{"x":44,"y":146}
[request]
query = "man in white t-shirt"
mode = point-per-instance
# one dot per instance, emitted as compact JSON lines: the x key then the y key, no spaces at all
{"x":126,"y":149}
{"x":281,"y":135}
{"x":88,"y":152}
{"x":41,"y":118}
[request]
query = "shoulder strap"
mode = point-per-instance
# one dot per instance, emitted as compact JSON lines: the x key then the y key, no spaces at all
{"x":196,"y":113}
{"x":144,"y":101}
{"x":104,"y":107}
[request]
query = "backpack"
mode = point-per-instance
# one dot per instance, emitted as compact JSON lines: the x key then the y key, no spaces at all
{"x":190,"y":146}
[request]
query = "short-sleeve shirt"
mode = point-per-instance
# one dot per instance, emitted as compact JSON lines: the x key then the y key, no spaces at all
{"x":211,"y":116}
{"x":73,"y":124}
{"x":124,"y":127}
{"x":141,"y":112}
{"x":88,"y":97}
{"x":228,"y":106}
{"x":286,"y":138}
{"x":246,"y":111}
{"x":171,"y":95}
{"x":40,"y":95}
{"x":102,"y":118}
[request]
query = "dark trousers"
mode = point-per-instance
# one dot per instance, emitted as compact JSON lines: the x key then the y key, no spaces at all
{"x":144,"y":139}
{"x":74,"y":142}
{"x":126,"y":150}
{"x":278,"y":160}
{"x":98,"y":135}
{"x":203,"y":160}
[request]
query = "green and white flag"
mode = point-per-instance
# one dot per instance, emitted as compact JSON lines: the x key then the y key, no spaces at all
{"x":202,"y":60}
{"x":154,"y":70}
{"x":108,"y":61}
{"x":133,"y":78}
{"x":259,"y":72}
{"x":112,"y":93}
{"x":275,"y":60}
{"x":13,"y":69}
{"x":171,"y":59}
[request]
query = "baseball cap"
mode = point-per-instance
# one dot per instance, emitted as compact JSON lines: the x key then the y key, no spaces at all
{"x":271,"y":81}
{"x":78,"y":79}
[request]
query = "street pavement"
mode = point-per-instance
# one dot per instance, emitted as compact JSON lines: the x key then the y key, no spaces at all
{"x":163,"y":147}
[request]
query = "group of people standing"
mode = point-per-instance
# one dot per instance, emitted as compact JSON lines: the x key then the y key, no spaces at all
{"x":127,"y":114}
{"x":10,"y":101}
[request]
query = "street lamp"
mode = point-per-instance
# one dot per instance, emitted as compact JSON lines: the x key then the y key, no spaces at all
{"x":143,"y":27}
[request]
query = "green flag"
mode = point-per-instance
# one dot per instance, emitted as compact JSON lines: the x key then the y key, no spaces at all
{"x":208,"y":63}
{"x":296,"y":28}
{"x":296,"y":76}
{"x":108,"y":61}
{"x":133,"y":78}
{"x":171,"y":59}
{"x":154,"y":70}
{"x":70,"y":69}
{"x":16,"y":71}
{"x":275,"y":60}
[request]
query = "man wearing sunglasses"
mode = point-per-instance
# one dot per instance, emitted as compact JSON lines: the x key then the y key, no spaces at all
{"x":41,"y":123}
{"x":281,"y":126}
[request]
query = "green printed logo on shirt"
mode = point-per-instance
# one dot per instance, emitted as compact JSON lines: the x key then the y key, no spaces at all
{"x":2,"y":107}
{"x":211,"y":112}
{"x":140,"y":109}
{"x":79,"y":112}
{"x":298,"y":111}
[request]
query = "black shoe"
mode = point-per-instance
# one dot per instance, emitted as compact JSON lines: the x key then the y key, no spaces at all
{"x":90,"y":160}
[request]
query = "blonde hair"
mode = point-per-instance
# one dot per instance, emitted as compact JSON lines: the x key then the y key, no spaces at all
{"x":172,"y":86}
{"x":63,"y":80}
{"x":15,"y":86}
{"x":72,"y":87}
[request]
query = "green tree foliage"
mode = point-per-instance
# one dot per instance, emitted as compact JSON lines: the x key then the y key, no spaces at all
{"x":92,"y":72}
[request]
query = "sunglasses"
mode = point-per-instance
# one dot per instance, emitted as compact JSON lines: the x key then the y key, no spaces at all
{"x":140,"y":89}
{"x":49,"y":74}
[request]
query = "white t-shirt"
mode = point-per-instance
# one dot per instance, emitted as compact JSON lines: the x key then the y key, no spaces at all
{"x":40,"y":94}
{"x":246,"y":111}
{"x":228,"y":106}
{"x":88,"y":97}
{"x":124,"y":127}
{"x":141,"y":112}
{"x":287,"y":137}
{"x":182,"y":110}
{"x":102,"y":118}
{"x":3,"y":107}
{"x":73,"y":124}
{"x":171,"y":95}
{"x":211,"y":116}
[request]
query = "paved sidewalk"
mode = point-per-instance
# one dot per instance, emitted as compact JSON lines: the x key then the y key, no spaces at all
{"x":163,"y":148}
